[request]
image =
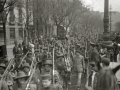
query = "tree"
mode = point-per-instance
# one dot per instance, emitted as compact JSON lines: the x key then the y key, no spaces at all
{"x":6,"y":6}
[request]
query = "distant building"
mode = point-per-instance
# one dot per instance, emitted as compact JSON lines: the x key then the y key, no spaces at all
{"x":15,"y":23}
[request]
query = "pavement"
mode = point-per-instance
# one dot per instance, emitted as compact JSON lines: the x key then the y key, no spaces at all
{"x":9,"y":51}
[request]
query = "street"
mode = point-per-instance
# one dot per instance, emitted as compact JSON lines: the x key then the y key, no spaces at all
{"x":9,"y":51}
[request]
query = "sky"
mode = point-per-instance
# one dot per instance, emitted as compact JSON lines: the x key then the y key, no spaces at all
{"x":98,"y":5}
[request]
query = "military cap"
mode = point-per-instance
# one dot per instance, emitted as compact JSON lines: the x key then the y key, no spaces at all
{"x":37,"y":50}
{"x":29,"y":53}
{"x":60,"y":54}
{"x":92,"y":44}
{"x":46,"y":77}
{"x":105,"y":60}
{"x":78,"y":51}
{"x":45,"y":48}
{"x":25,"y":65}
{"x":21,"y":74}
{"x":2,"y":65}
{"x":48,"y":62}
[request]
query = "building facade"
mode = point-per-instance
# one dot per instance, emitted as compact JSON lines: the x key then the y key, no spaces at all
{"x":14,"y":25}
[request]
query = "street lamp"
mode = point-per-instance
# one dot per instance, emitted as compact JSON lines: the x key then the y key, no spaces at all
{"x":106,"y":33}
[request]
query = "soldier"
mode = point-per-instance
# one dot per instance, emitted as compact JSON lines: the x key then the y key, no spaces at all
{"x":47,"y":67}
{"x":3,"y":84}
{"x":29,"y":58}
{"x":26,"y":69}
{"x":47,"y":82}
{"x":92,"y":78}
{"x":20,"y":81}
{"x":58,"y":83}
{"x":79,"y":67}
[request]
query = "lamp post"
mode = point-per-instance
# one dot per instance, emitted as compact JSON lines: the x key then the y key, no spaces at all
{"x":106,"y":33}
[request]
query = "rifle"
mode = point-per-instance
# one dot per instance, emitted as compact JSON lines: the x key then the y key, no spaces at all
{"x":6,"y":71}
{"x":31,"y":72}
{"x":23,"y":59}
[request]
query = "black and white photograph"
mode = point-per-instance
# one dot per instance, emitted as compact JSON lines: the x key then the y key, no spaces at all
{"x":59,"y":44}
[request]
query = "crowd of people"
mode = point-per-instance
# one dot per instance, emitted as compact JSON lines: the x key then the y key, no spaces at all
{"x":48,"y":64}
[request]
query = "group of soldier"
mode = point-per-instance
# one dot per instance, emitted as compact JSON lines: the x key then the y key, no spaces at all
{"x":48,"y":64}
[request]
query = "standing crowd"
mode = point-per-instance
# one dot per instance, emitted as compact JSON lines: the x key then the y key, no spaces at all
{"x":48,"y":64}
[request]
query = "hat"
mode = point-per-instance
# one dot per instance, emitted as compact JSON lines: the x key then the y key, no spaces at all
{"x":92,"y":63}
{"x":2,"y":65}
{"x":37,"y":50}
{"x":78,"y":51}
{"x":25,"y":65}
{"x":29,"y":53}
{"x":44,"y":48}
{"x":48,"y":62}
{"x":92,"y":44}
{"x":60,"y":54}
{"x":105,"y":60}
{"x":46,"y":76}
{"x":21,"y":74}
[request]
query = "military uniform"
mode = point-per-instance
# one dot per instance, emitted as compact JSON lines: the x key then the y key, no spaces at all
{"x":18,"y":86}
{"x":44,"y":71}
{"x":3,"y":84}
{"x":47,"y":77}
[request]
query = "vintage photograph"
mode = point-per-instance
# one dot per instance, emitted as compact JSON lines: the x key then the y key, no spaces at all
{"x":59,"y":44}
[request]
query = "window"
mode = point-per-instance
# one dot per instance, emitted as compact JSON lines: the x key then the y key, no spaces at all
{"x":12,"y":15}
{"x":20,"y":15}
{"x":12,"y":33}
{"x":20,"y":33}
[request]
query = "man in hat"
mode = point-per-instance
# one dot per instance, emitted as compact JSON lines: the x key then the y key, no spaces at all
{"x":106,"y":76}
{"x":92,"y":78}
{"x":47,"y":67}
{"x":26,"y":69}
{"x":95,"y":56}
{"x":20,"y":81}
{"x":79,"y":66}
{"x":47,"y":82}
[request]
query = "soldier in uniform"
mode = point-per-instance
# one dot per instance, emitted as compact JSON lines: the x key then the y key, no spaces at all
{"x":20,"y":81}
{"x":58,"y":83}
{"x":47,"y":82}
{"x":79,"y":67}
{"x":92,"y":78}
{"x":34,"y":80}
{"x":47,"y":67}
{"x":3,"y":84}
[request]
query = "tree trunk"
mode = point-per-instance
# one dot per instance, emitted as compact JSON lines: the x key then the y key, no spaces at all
{"x":4,"y":31}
